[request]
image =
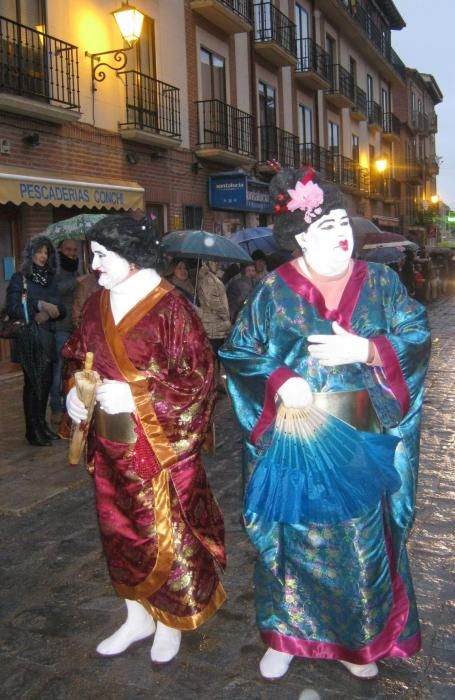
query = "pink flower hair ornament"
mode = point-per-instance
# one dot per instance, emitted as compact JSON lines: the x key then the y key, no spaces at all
{"x":308,"y":197}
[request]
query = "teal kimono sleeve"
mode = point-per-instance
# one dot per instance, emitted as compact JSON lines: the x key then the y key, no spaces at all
{"x":254,"y":371}
{"x":404,"y":350}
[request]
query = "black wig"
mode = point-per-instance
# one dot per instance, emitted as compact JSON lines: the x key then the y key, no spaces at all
{"x":288,"y":224}
{"x":135,"y":241}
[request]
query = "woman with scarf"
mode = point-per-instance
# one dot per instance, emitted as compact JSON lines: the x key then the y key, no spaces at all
{"x":33,"y":296}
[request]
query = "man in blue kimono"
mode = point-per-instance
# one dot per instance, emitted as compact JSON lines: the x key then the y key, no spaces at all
{"x":328,"y":332}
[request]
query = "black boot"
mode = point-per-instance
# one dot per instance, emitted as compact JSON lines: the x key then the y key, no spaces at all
{"x":33,"y":432}
{"x":42,"y":406}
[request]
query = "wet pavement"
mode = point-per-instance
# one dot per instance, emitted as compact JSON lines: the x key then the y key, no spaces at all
{"x":56,"y":601}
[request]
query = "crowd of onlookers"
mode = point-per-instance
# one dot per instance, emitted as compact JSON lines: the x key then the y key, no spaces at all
{"x":427,"y":275}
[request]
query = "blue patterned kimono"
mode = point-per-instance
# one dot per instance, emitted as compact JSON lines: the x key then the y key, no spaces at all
{"x":334,"y":590}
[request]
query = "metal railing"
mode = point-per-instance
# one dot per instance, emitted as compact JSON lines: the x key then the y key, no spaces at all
{"x":377,"y":31}
{"x":226,"y":127}
{"x":312,"y":57}
{"x":37,"y":65}
{"x":432,"y":123}
{"x":270,"y":24}
{"x":275,"y":143}
{"x":374,"y":114}
{"x":392,"y":189}
{"x":414,"y":170}
{"x":335,"y":167}
{"x":342,"y":82}
{"x":151,"y":104}
{"x":360,"y":100}
{"x":242,"y":8}
{"x":391,"y":124}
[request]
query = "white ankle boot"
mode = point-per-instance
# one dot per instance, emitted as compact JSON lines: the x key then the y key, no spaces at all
{"x":365,"y":671}
{"x":138,"y":625}
{"x":274,"y":664}
{"x":166,"y":644}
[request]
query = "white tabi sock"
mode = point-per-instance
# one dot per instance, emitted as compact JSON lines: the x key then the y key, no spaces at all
{"x":139,"y":625}
{"x":366,"y":671}
{"x":166,"y":644}
{"x":274,"y":664}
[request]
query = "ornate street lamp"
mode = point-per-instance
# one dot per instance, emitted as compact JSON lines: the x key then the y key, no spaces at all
{"x":129,"y":21}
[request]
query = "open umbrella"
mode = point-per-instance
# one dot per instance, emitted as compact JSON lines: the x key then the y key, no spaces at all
{"x":259,"y":238}
{"x":203,"y":245}
{"x":74,"y":228}
{"x":367,"y":237}
{"x":384,"y":255}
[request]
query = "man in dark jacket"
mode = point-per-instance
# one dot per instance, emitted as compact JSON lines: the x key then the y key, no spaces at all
{"x":67,"y":278}
{"x":239,"y":287}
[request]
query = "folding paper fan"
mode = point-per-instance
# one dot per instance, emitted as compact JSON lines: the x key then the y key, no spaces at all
{"x":319,"y":469}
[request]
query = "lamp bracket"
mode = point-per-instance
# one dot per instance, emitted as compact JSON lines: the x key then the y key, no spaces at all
{"x":98,"y":66}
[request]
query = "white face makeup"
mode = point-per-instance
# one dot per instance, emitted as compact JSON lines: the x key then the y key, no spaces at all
{"x":111,"y":267}
{"x":328,"y":243}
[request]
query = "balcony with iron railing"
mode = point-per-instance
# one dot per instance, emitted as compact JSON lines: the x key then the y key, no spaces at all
{"x":335,"y":167}
{"x":359,"y":111}
{"x":225,"y":133}
{"x":392,"y":190}
{"x":390,"y":127}
{"x":232,"y":16}
{"x":152,"y":113}
{"x":312,"y":68}
{"x":274,"y":34}
{"x":378,"y":33}
{"x":39,"y":74}
{"x":377,"y":184}
{"x":432,"y":123}
{"x":277,"y":144}
{"x":375,"y":120}
{"x":341,"y":91}
{"x":414,"y":171}
{"x":432,"y":164}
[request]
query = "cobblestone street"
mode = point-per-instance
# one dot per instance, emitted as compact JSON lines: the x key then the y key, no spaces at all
{"x":57,"y":603}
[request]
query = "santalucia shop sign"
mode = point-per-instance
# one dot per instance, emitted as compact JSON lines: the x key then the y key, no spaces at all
{"x":43,"y":189}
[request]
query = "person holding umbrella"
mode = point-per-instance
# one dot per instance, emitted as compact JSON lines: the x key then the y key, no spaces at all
{"x":161,"y":528}
{"x":33,"y":295}
{"x":325,"y":368}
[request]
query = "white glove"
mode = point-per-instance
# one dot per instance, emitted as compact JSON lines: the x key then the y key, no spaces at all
{"x":75,"y":407}
{"x":115,"y":397}
{"x":343,"y":348}
{"x":295,"y":393}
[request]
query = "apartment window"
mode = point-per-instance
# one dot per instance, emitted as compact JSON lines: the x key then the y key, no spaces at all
{"x":302,"y":34}
{"x":306,"y":121}
{"x":31,"y":13}
{"x":192,"y":217}
{"x":353,"y":69}
{"x":419,"y":106}
{"x":334,"y":136}
{"x":355,"y":148}
{"x":267,"y":105}
{"x":370,"y":96}
{"x":145,"y":49}
{"x":413,"y":102}
{"x":331,"y":51}
{"x":213,"y":76}
{"x":385,"y":100}
{"x":372,"y":154}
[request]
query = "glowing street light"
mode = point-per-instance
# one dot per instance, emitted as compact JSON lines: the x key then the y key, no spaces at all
{"x":129,"y":21}
{"x":381,"y":165}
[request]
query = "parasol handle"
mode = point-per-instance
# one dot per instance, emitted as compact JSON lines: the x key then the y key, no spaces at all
{"x":88,"y":363}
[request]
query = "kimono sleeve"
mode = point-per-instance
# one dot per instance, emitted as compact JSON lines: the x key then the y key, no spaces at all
{"x":404,"y":351}
{"x":254,"y":371}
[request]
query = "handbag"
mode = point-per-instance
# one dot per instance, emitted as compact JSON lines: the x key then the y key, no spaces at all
{"x":12,"y":328}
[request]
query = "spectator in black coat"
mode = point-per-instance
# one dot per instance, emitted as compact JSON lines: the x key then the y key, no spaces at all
{"x":43,"y":307}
